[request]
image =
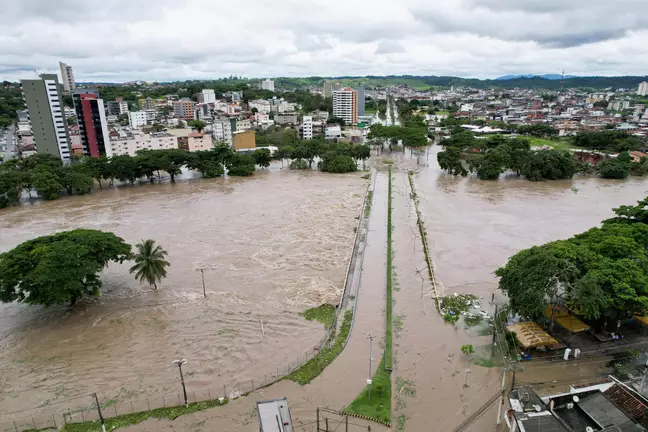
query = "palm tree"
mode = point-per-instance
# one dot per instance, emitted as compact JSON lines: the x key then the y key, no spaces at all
{"x":150,"y":264}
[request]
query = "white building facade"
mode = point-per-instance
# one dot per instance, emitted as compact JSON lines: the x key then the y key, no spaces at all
{"x":333,"y":132}
{"x":262,"y":106}
{"x":130,"y":144}
{"x":267,"y":84}
{"x":137,"y":119}
{"x":207,"y":96}
{"x":222,"y":131}
{"x":307,"y":127}
{"x":643,"y":89}
{"x":67,"y":76}
{"x":345,"y":105}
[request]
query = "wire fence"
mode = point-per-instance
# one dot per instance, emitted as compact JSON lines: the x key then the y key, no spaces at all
{"x":50,"y":417}
{"x":42,"y":418}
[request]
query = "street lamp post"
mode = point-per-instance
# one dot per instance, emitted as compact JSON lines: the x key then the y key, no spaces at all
{"x":103,"y":422}
{"x":202,"y":273}
{"x":179,"y":363}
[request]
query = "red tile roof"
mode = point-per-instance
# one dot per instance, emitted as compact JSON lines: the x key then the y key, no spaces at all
{"x":629,"y":403}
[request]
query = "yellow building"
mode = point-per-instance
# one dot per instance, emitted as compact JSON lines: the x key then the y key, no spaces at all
{"x":243,"y":140}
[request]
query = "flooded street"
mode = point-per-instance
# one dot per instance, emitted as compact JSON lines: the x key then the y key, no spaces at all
{"x":271,"y":246}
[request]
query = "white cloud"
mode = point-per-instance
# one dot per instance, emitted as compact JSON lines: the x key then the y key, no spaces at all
{"x":120,"y":40}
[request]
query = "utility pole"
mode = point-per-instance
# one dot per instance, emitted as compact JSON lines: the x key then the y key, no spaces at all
{"x":103,"y":422}
{"x":202,"y":273}
{"x":179,"y":363}
{"x":466,"y":379}
{"x":369,"y":379}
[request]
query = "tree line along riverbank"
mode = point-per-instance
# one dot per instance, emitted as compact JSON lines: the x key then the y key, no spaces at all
{"x":47,"y":176}
{"x":494,"y":155}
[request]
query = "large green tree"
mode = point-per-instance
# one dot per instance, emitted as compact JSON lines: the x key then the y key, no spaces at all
{"x":450,"y":161}
{"x":262,"y":157}
{"x":11,"y":186}
{"x":601,"y":272}
{"x":59,"y":268}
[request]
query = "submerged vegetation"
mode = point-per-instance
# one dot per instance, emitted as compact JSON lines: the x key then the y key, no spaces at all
{"x":125,"y":420}
{"x":324,"y":314}
{"x":313,"y":367}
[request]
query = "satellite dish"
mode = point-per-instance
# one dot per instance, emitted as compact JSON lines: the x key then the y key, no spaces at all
{"x":575,"y":399}
{"x":589,"y":429}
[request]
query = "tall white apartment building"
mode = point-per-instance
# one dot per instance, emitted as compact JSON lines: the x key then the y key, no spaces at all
{"x":207,"y":96}
{"x":345,"y":105}
{"x":267,"y":84}
{"x":643,"y":89}
{"x":45,"y":107}
{"x":222,"y":131}
{"x":131,"y":143}
{"x":67,"y":76}
{"x":137,"y":119}
{"x":307,"y":127}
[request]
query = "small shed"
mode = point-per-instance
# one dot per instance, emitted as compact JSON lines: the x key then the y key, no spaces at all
{"x":531,"y":335}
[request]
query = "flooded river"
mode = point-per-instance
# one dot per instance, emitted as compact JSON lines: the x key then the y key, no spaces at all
{"x":474,"y":226}
{"x":271,"y":246}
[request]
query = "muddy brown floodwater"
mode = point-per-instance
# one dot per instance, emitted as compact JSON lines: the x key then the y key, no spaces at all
{"x":271,"y":246}
{"x":475,"y":226}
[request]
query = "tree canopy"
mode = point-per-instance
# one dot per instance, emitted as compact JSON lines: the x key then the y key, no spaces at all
{"x":496,"y":154}
{"x":59,"y":268}
{"x":601,"y":272}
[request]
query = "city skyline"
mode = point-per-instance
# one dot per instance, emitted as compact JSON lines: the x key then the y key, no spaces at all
{"x":468,"y":38}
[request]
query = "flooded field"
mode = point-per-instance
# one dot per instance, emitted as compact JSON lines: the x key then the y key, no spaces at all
{"x":270,"y":246}
{"x":474,"y":226}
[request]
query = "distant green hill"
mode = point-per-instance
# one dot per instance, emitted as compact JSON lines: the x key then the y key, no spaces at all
{"x":427,"y":82}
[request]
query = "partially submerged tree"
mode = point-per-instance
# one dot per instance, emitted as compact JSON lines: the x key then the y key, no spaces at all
{"x":150,"y":265}
{"x":59,"y":268}
{"x":603,"y":271}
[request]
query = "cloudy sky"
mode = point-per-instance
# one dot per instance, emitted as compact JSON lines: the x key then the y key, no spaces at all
{"x":121,"y":40}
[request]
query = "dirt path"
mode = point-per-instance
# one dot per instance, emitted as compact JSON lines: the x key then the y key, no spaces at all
{"x":428,"y":379}
{"x":340,"y":382}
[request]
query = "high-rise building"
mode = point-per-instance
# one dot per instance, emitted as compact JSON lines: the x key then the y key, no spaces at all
{"x":222,"y":130}
{"x":330,"y":87}
{"x":345,"y":105}
{"x":267,"y":84}
{"x":44,"y":104}
{"x":67,"y":76}
{"x":643,"y":89}
{"x":184,"y":109}
{"x":307,"y":128}
{"x":93,"y":127}
{"x":207,"y":96}
{"x":361,"y":101}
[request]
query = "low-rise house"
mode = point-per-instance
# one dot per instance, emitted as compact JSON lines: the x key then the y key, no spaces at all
{"x":199,"y":141}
